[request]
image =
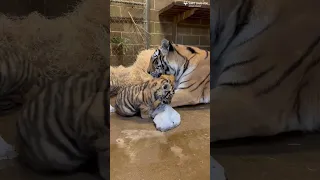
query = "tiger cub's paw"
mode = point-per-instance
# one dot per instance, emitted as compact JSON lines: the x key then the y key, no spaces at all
{"x":112,"y":109}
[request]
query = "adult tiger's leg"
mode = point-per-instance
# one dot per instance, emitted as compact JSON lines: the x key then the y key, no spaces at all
{"x":205,"y":97}
{"x":183,"y":97}
{"x":237,"y":114}
{"x":195,"y":94}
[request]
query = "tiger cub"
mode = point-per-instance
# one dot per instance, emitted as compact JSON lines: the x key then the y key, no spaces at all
{"x":18,"y":76}
{"x":146,"y":97}
{"x":63,"y":127}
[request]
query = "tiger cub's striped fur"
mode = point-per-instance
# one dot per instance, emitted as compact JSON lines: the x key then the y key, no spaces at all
{"x":63,"y":127}
{"x":191,"y":68}
{"x":17,"y":77}
{"x":145,"y":97}
{"x":121,"y":76}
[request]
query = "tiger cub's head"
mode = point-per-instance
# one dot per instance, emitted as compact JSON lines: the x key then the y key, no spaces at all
{"x":164,"y":88}
{"x":171,"y":58}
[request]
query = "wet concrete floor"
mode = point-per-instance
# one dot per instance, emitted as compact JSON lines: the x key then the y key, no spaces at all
{"x":290,"y":156}
{"x":140,"y":152}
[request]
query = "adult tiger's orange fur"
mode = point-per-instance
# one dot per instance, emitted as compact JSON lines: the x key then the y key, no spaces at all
{"x":146,"y":97}
{"x":191,"y":68}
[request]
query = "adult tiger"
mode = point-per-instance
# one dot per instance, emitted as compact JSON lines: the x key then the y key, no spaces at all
{"x":191,"y":68}
{"x":265,"y":67}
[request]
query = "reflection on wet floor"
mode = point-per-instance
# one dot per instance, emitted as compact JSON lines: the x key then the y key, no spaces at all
{"x":289,"y":156}
{"x":140,"y":152}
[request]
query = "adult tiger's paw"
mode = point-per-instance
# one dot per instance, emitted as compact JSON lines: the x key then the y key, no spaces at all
{"x":167,"y":119}
{"x":112,"y":109}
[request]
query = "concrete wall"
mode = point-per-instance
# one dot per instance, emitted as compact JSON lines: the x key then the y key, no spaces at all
{"x":191,"y":32}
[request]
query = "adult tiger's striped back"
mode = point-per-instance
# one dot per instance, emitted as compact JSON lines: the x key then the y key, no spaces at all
{"x":265,"y":67}
{"x":17,"y":77}
{"x":191,"y":68}
{"x":64,"y":127}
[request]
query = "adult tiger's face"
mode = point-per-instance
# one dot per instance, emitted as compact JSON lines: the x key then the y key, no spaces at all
{"x":169,"y":58}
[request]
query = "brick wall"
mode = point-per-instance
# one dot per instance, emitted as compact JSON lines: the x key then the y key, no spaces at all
{"x":194,"y":32}
{"x":121,"y":26}
{"x":189,"y":32}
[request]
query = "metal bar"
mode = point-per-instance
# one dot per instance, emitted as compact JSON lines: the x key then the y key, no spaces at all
{"x":128,"y":2}
{"x":174,"y":30}
{"x":147,"y":9}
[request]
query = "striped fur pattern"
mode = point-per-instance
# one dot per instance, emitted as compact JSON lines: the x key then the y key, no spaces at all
{"x":191,"y":68}
{"x":146,"y":97}
{"x":135,"y":74}
{"x":266,"y":57}
{"x":17,"y":77}
{"x":121,"y":76}
{"x":64,"y":127}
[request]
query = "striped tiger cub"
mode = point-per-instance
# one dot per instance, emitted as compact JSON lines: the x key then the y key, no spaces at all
{"x":63,"y":127}
{"x":146,"y":97}
{"x":191,"y":68}
{"x":17,"y":77}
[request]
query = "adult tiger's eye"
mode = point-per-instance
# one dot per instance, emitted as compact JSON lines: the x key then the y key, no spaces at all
{"x":165,"y":86}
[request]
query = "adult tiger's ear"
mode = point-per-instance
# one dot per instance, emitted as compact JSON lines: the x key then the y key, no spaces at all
{"x":166,"y":47}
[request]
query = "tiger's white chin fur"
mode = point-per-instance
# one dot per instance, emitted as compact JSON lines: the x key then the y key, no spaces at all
{"x":167,"y":119}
